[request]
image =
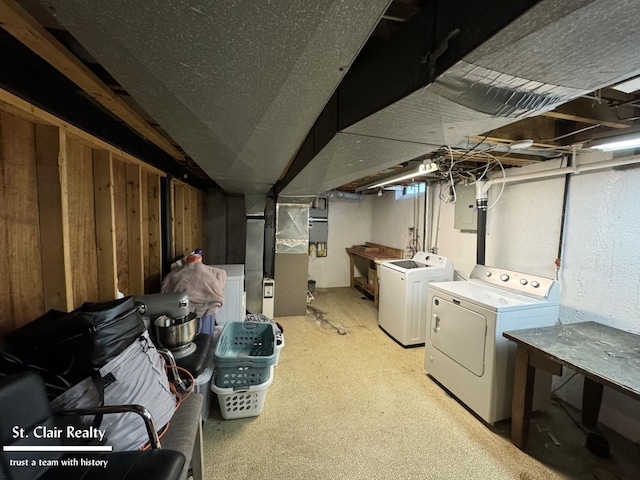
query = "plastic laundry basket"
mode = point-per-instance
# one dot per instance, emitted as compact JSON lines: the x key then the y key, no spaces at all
{"x":242,"y":402}
{"x":244,"y":354}
{"x":253,"y":342}
{"x":241,"y":375}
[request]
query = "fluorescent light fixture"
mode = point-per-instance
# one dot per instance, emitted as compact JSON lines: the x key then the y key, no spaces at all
{"x":403,"y":174}
{"x":619,"y":142}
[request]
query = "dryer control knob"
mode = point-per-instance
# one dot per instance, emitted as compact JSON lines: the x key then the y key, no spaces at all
{"x":487,"y":273}
{"x":523,"y":281}
{"x":504,"y":277}
{"x":535,"y":284}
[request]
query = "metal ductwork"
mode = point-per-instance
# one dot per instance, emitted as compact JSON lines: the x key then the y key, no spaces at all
{"x":254,"y":250}
{"x":302,"y":96}
{"x":553,"y":53}
{"x":343,"y":195}
{"x":237,"y":85}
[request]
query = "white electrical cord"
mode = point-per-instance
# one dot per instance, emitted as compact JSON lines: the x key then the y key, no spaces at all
{"x":469,"y":174}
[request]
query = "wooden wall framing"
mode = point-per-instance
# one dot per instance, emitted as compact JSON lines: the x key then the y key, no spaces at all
{"x":186,"y":213}
{"x":80,"y":220}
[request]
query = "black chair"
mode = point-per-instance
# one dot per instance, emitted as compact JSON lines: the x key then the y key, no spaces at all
{"x":26,"y":419}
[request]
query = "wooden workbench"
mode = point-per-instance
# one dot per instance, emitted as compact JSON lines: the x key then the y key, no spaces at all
{"x":372,"y":253}
{"x":604,"y":355}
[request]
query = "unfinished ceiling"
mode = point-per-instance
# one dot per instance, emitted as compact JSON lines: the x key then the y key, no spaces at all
{"x":236,"y":84}
{"x":314,"y":96}
{"x":554,"y":53}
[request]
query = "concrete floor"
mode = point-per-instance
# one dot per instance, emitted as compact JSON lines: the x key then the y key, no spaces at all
{"x":359,"y":406}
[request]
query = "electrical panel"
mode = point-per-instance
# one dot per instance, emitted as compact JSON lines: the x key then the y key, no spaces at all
{"x":318,"y":225}
{"x":466,"y":215}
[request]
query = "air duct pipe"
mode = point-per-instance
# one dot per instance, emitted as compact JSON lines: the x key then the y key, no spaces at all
{"x":343,"y":195}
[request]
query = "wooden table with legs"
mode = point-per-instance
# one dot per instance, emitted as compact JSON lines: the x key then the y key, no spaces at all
{"x":603,"y":354}
{"x":371,"y":253}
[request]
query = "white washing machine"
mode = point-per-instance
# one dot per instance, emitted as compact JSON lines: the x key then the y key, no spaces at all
{"x":402,"y":303}
{"x":465,"y":351}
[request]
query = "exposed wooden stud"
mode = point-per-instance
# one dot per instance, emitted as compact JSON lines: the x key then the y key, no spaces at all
{"x":15,"y":20}
{"x":82,"y":223}
{"x":186,"y":219}
{"x":507,"y":141}
{"x":6,"y":320}
{"x":166,"y":224}
{"x":536,"y":128}
{"x":173,"y":220}
{"x":144,"y":217}
{"x":105,"y":224}
{"x":191,"y":218}
{"x":155,"y":234}
{"x":591,"y":112}
{"x":134,"y":230}
{"x":21,"y":279}
{"x":53,"y":198}
{"x":198,"y":218}
{"x":589,"y":120}
{"x":122,"y":235}
{"x":179,"y":236}
{"x":23,"y":109}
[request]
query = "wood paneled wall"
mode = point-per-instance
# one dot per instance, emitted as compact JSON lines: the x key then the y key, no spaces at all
{"x":187,"y":205}
{"x":79,"y":220}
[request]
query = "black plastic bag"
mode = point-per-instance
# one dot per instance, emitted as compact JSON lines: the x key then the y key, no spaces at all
{"x":74,"y":344}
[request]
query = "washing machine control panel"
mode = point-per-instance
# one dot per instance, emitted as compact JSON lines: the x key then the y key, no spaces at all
{"x":532,"y":285}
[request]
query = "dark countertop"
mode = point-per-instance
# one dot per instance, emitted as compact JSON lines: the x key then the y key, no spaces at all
{"x":594,"y":349}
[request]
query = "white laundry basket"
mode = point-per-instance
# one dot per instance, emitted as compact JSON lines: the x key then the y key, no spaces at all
{"x":242,"y":402}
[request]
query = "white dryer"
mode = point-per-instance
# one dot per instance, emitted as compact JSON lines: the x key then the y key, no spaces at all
{"x":402,"y":304}
{"x":465,"y":351}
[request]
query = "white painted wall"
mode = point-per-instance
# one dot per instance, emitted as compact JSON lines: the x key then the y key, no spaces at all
{"x":600,"y":272}
{"x":392,"y":219}
{"x":457,"y":245}
{"x":349,"y":224}
{"x":524,"y":225}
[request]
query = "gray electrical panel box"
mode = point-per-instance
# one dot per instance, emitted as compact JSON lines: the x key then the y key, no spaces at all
{"x":466,"y":216}
{"x":318,"y":225}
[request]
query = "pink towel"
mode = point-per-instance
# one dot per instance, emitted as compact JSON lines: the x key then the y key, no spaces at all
{"x":202,"y":283}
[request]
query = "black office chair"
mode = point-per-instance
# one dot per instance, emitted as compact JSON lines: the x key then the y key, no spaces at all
{"x":24,"y":407}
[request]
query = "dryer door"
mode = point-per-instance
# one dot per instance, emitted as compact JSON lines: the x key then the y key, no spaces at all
{"x":459,"y":333}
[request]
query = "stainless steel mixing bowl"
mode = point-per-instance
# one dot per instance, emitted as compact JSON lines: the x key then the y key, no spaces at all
{"x":177,"y":332}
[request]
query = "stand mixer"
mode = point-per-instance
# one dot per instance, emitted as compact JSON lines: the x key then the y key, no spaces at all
{"x":174,"y":326}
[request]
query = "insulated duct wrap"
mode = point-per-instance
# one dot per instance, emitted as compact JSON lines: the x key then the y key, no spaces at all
{"x":292,"y":228}
{"x":255,"y":204}
{"x":254,"y":250}
{"x":343,"y":195}
{"x":499,"y":94}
